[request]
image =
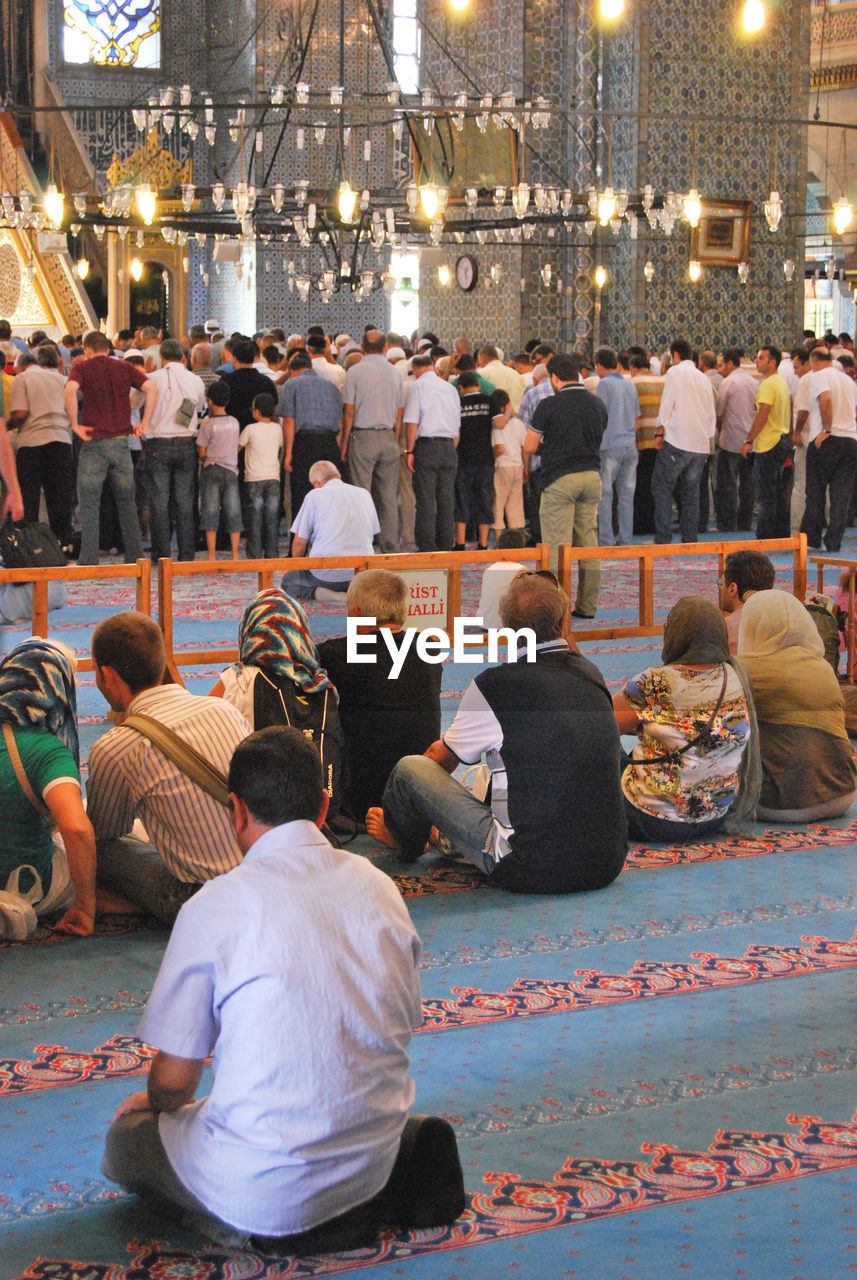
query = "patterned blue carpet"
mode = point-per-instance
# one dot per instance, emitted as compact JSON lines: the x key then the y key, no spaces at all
{"x":655,"y":1080}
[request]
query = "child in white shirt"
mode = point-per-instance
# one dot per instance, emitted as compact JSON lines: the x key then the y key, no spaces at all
{"x":262,"y":442}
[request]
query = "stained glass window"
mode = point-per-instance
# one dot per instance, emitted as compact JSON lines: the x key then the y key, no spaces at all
{"x":112,"y":33}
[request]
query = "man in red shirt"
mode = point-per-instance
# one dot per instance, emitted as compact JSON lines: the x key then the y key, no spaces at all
{"x":103,"y":423}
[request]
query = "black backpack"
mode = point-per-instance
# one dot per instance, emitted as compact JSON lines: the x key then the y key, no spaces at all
{"x":315,"y":715}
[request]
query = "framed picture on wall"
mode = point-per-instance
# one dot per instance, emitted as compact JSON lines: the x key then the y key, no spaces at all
{"x":467,"y":158}
{"x":723,"y":235}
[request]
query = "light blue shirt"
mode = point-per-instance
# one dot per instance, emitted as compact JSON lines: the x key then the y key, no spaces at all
{"x":299,"y":969}
{"x":619,"y":397}
{"x":435,"y":406}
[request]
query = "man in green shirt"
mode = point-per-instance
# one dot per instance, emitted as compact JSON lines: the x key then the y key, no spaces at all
{"x":769,"y":442}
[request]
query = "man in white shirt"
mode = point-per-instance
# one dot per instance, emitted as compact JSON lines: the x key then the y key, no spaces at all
{"x":432,"y":426}
{"x":831,"y":454}
{"x":298,"y":971}
{"x":318,"y":347}
{"x":685,"y":430}
{"x":335,"y":519}
{"x":169,"y":452}
{"x":491,"y":367}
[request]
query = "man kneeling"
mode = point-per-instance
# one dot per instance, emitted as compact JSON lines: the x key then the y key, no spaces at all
{"x":555,"y":820}
{"x":298,"y":969}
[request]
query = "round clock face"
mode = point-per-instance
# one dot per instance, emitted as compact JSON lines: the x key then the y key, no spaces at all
{"x":466,"y":273}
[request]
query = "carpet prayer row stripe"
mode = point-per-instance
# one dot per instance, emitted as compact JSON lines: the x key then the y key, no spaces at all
{"x":583,"y":1190}
{"x":122,"y":1055}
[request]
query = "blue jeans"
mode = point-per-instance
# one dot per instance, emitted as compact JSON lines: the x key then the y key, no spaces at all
{"x":262,"y":499}
{"x":421,"y":794}
{"x":677,"y":469}
{"x":301,"y":584}
{"x":171,"y":475}
{"x":219,"y":499}
{"x":619,"y":471}
{"x":108,"y":460}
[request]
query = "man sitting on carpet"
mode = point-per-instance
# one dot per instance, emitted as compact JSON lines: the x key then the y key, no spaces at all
{"x":555,"y":820}
{"x":130,"y":777}
{"x":298,"y":971}
{"x":744,"y":572}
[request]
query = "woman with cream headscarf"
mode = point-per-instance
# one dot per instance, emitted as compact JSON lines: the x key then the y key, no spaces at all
{"x":696,"y":764}
{"x":808,"y":768}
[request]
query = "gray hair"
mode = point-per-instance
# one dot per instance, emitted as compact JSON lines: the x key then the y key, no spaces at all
{"x":48,"y":356}
{"x":322,"y":471}
{"x":378,"y":594}
{"x":171,"y":349}
{"x":531,"y":601}
{"x":200,"y":356}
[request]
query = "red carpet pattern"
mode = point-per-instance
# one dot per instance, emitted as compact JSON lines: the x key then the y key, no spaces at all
{"x":583,"y":1190}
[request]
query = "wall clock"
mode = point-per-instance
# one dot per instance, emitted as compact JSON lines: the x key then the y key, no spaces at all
{"x":466,"y":273}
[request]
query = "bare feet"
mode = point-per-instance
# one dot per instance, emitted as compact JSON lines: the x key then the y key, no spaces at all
{"x":378,"y":829}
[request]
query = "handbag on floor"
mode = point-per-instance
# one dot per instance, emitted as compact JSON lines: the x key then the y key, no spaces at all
{"x":17,"y":910}
{"x":30,"y":546}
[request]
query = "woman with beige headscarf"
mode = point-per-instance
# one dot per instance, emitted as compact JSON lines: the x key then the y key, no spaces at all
{"x":696,"y":765}
{"x":808,"y":768}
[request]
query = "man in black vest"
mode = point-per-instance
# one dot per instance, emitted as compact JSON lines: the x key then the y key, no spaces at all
{"x":555,"y":820}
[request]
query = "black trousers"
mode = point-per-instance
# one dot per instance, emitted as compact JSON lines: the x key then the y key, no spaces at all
{"x":310,"y":446}
{"x":49,"y":467}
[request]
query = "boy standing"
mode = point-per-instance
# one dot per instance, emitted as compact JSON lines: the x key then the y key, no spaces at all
{"x":262,"y":439}
{"x":217,"y":443}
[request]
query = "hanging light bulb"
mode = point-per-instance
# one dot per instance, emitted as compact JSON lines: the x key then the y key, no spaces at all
{"x":136,"y":269}
{"x":82,"y":267}
{"x":611,"y":9}
{"x":789,"y":269}
{"x":406,"y":291}
{"x":471,"y":198}
{"x":346,"y":202}
{"x":428,"y":199}
{"x":694,"y":270}
{"x":412,"y":196}
{"x":743,"y":272}
{"x":54,"y":204}
{"x":546,"y":273}
{"x":649,"y":271}
{"x":520,"y":199}
{"x":147,"y":203}
{"x":188,"y":193}
{"x":218,"y":195}
{"x":773,"y":210}
{"x":843,"y":214}
{"x":499,"y":198}
{"x":460,"y":6}
{"x":600,"y":276}
{"x":458,"y":115}
{"x":753,"y":16}
{"x":830,"y":268}
{"x":692,"y":207}
{"x":443,"y":275}
{"x":278,"y":195}
{"x":79,"y":201}
{"x":606,"y":206}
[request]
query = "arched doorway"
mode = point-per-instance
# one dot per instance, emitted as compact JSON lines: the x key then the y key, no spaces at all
{"x":150,"y":297}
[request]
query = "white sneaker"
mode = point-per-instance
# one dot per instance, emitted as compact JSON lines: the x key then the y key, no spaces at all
{"x":326,"y":596}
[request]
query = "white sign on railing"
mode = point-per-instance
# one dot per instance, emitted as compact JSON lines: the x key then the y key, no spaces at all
{"x":428,"y":598}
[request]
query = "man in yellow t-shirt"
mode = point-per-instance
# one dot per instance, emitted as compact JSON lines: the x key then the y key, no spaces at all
{"x":769,"y":441}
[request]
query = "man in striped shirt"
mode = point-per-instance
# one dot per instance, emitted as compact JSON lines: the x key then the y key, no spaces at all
{"x":129,"y":777}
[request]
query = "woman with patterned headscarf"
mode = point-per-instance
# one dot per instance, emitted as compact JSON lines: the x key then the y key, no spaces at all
{"x":278,"y":679}
{"x":696,"y":764}
{"x":38,"y":718}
